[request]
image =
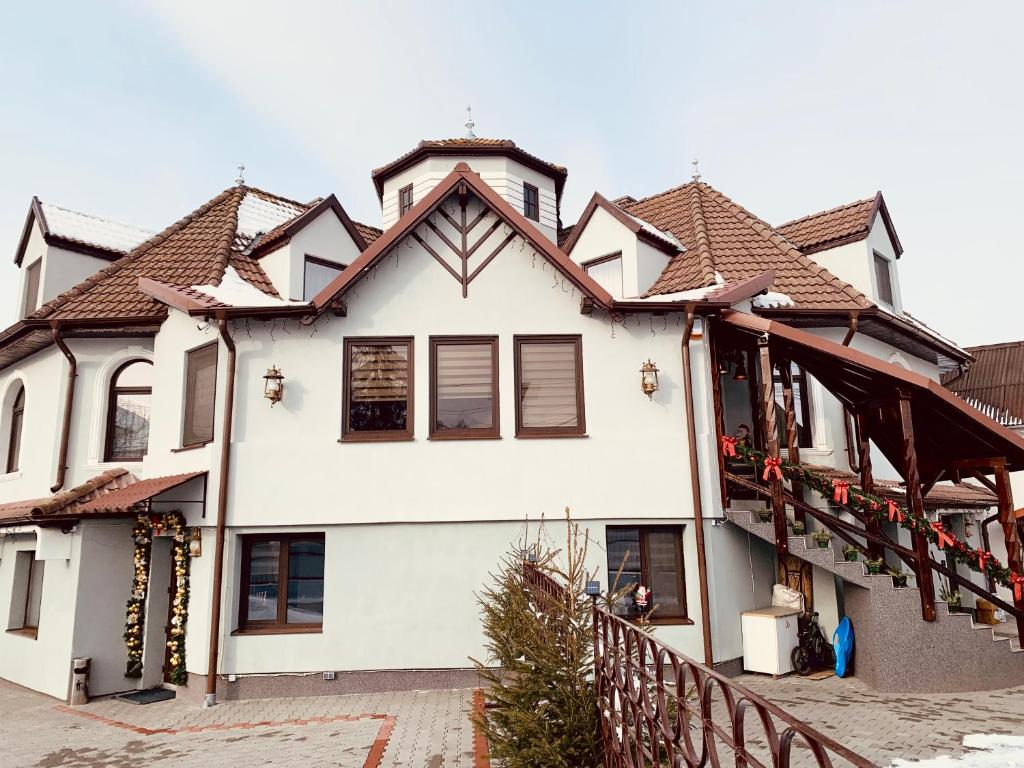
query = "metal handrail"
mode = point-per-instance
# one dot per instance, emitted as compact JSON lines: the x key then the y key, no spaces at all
{"x":654,"y":702}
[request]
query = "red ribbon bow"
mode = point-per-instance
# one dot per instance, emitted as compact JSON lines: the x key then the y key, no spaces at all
{"x":944,"y":537}
{"x":772,"y":464}
{"x":728,"y":446}
{"x":842,"y":491}
{"x":983,"y":558}
{"x":1018,"y":587}
{"x":894,"y":511}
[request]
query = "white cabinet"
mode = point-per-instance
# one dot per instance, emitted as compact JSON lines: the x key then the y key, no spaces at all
{"x":769,"y":637}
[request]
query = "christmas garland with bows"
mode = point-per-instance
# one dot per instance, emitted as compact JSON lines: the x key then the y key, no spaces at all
{"x":135,"y":621}
{"x":879,"y":508}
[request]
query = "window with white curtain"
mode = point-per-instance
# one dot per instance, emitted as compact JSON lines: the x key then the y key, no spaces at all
{"x":549,"y":386}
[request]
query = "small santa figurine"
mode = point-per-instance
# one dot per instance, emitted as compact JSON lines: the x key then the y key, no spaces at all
{"x":642,"y":597}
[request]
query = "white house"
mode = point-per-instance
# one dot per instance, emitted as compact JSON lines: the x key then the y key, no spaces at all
{"x":275,"y":443}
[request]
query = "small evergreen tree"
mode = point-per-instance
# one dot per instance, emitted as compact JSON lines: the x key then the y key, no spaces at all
{"x":543,"y":707}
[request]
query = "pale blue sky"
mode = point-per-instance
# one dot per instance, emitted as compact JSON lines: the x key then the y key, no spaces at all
{"x":140,"y":112}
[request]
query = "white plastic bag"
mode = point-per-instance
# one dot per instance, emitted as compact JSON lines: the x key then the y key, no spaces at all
{"x":787,"y":598}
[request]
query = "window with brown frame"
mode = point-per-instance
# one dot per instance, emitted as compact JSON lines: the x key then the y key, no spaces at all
{"x":405,"y":200}
{"x":17,"y":422}
{"x":30,"y":302}
{"x":531,"y":202}
{"x":128,"y":411}
{"x":317,"y":274}
{"x":464,"y":387}
{"x":883,"y":276}
{"x":549,"y":386}
{"x":282,"y":583}
{"x":651,"y":556}
{"x":200,"y":395}
{"x":801,"y":407}
{"x":607,"y":271}
{"x":26,"y":597}
{"x":378,"y":389}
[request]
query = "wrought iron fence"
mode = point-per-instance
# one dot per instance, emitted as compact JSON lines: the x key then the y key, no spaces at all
{"x":659,"y":707}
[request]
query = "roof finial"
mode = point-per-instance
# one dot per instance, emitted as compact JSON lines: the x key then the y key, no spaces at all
{"x":469,"y":124}
{"x":696,"y":169}
{"x":240,"y":181}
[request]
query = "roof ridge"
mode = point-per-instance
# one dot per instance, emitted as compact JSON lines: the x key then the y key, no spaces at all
{"x":769,"y":233}
{"x":705,"y":259}
{"x":224,"y":248}
{"x":996,"y":345}
{"x":265,"y":193}
{"x":828,"y":211}
{"x":657,"y":194}
{"x":129,"y":258}
{"x":94,"y":217}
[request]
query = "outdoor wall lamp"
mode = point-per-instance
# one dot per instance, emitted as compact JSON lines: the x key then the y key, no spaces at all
{"x":273,"y":385}
{"x":741,"y":371}
{"x":649,"y":378}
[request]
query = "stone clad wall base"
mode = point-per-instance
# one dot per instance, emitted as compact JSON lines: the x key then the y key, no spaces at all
{"x":896,"y":651}
{"x":290,"y":685}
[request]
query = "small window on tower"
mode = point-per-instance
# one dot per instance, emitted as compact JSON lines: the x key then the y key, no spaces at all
{"x":883,"y":276}
{"x":531,"y":202}
{"x":404,"y":200}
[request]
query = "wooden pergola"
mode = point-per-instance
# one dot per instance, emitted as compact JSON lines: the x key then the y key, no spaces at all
{"x":925,"y":431}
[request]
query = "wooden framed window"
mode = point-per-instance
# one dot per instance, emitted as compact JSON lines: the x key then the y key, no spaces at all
{"x":607,"y":271}
{"x":801,"y":407}
{"x":128,"y":411}
{"x":282,"y":583}
{"x":17,"y":423}
{"x":531,"y":202}
{"x":30,"y":302}
{"x":318,"y":274}
{"x":378,"y":388}
{"x":200,"y":395}
{"x":405,"y":200}
{"x":652,"y":556}
{"x":463,"y":387}
{"x":549,"y":386}
{"x":26,"y":598}
{"x":883,"y":276}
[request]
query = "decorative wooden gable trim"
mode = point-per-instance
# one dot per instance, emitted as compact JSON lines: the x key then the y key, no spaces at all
{"x":460,"y":182}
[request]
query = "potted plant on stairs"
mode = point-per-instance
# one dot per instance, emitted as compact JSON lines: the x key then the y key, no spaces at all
{"x":874,"y":566}
{"x":822,"y":537}
{"x":851,"y":553}
{"x":899,"y":577}
{"x":798,"y":527}
{"x":764,"y":515}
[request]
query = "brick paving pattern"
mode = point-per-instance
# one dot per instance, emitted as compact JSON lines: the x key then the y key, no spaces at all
{"x":430,"y":729}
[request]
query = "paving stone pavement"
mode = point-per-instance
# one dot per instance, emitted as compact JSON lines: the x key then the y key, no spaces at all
{"x":884,"y":726}
{"x":431,"y":729}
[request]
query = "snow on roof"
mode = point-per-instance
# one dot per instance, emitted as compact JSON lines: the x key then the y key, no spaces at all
{"x":773,"y":300}
{"x":668,"y":237}
{"x":236,"y":292}
{"x":922,"y":327}
{"x":92,"y":230}
{"x":257,"y":214}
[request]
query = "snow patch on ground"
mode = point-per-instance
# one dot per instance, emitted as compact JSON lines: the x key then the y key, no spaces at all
{"x":987,"y":751}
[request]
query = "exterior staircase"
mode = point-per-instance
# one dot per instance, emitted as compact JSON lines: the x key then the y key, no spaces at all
{"x":895,"y":650}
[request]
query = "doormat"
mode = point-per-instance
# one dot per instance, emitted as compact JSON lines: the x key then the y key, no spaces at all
{"x":821,"y":674}
{"x":146,"y":697}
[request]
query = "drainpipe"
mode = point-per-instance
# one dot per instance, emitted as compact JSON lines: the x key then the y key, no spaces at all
{"x":222,"y":498}
{"x":698,"y":508}
{"x":851,"y":328}
{"x":69,"y":402}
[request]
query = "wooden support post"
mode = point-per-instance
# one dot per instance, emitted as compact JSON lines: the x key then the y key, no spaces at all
{"x":1010,"y":534}
{"x":915,"y":503}
{"x":716,"y":392}
{"x":772,"y":449}
{"x":792,"y":440}
{"x":867,"y":482}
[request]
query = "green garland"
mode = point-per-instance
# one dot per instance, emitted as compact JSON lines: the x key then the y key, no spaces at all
{"x":880,"y":509}
{"x":142,"y":533}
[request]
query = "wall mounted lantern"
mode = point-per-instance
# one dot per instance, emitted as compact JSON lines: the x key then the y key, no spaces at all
{"x":195,"y":542}
{"x":273,"y":385}
{"x":649,"y":378}
{"x":741,"y":371}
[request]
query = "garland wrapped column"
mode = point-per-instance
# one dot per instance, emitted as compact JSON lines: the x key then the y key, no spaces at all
{"x":135,"y":622}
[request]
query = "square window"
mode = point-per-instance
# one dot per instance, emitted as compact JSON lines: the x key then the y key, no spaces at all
{"x":282,"y":582}
{"x":378,"y":389}
{"x":317,"y":274}
{"x":464,"y":387}
{"x":549,"y":386}
{"x":649,"y":556}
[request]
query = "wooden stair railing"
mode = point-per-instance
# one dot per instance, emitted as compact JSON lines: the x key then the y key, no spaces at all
{"x":848,"y":531}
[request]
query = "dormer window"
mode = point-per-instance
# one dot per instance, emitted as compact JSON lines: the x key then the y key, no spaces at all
{"x":405,"y":200}
{"x":607,"y":271}
{"x":531,"y":202}
{"x":317,"y":275}
{"x":31,"y":300}
{"x":883,"y":278}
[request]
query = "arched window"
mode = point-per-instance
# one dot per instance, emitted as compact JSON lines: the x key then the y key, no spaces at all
{"x":131,"y":389}
{"x":14,"y":443}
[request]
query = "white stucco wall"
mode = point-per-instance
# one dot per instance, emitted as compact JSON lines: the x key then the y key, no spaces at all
{"x":60,"y":270}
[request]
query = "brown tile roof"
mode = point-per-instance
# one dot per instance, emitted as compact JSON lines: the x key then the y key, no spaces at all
{"x":722,"y":237}
{"x":838,"y":226}
{"x":994,"y":382}
{"x":369,"y":233}
{"x":563,"y":234}
{"x":114,"y":492}
{"x":952,"y":496}
{"x":194,"y":251}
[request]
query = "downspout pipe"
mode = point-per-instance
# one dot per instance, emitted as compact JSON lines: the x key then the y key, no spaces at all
{"x":851,"y":329}
{"x":698,"y":507}
{"x":69,"y":404}
{"x":222,"y":498}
